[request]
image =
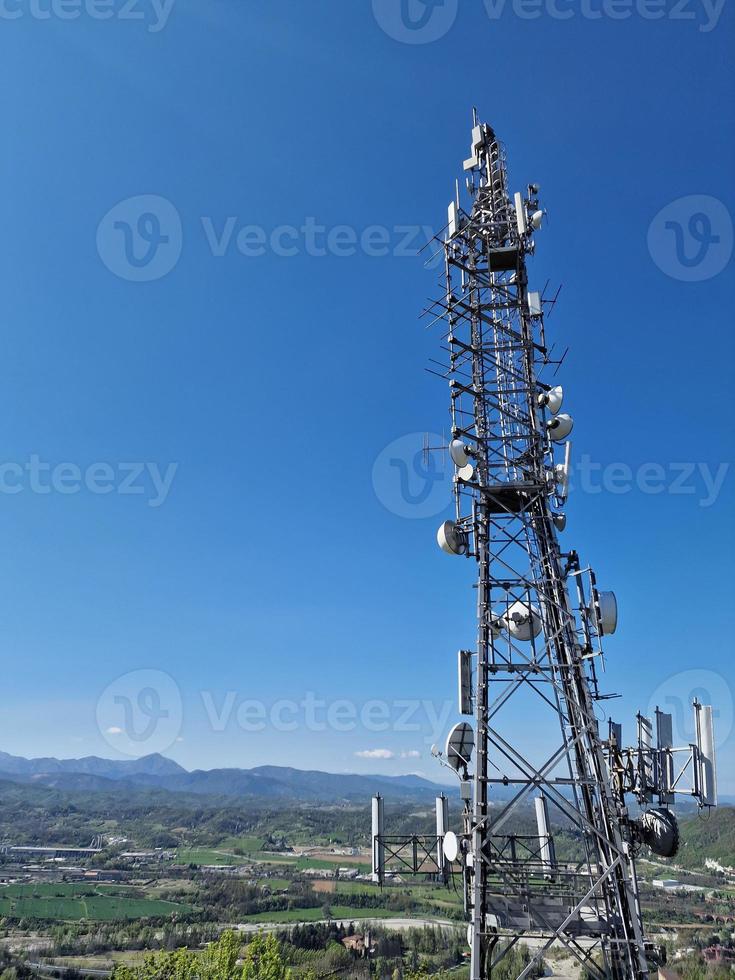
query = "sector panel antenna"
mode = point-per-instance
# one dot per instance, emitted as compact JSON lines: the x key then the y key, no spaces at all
{"x":707,"y":762}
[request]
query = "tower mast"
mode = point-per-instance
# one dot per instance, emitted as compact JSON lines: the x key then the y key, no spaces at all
{"x":561,"y":871}
{"x":533,"y":637}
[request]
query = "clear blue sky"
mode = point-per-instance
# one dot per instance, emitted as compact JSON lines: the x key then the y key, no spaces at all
{"x":271,"y":568}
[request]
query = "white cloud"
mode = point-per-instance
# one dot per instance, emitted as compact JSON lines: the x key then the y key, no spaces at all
{"x":113,"y":730}
{"x":411,"y":754}
{"x":375,"y":754}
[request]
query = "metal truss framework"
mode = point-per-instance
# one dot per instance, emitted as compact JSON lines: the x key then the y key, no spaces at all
{"x":497,"y":350}
{"x":540,"y":624}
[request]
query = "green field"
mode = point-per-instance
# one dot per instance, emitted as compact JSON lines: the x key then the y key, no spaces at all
{"x":314,"y":915}
{"x":72,"y":901}
{"x":203,"y":855}
{"x":345,"y":862}
{"x":249,"y":845}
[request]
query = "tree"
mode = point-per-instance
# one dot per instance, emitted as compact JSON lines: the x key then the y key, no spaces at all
{"x":263,"y":960}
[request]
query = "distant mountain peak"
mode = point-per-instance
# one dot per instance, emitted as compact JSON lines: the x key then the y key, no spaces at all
{"x":155,"y":771}
{"x":152,"y":765}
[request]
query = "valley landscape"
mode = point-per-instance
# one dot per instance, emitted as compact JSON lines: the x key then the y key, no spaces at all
{"x":103,"y":860}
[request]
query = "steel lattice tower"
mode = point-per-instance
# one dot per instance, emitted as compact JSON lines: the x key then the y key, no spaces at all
{"x":566,"y":874}
{"x":540,"y":615}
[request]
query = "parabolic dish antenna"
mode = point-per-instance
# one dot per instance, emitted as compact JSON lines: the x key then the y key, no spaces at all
{"x":466,"y":472}
{"x":450,"y":846}
{"x":460,"y":745}
{"x":608,"y":613}
{"x":553,"y":399}
{"x":560,"y":427}
{"x":660,"y":831}
{"x":523,"y":621}
{"x":458,"y":452}
{"x":451,"y":539}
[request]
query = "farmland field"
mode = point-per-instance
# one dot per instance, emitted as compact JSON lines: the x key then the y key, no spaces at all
{"x":72,"y":901}
{"x":316,"y":915}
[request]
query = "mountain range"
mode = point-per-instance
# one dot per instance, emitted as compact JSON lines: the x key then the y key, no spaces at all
{"x":94,"y":774}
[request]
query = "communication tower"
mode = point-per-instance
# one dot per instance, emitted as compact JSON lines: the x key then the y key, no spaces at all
{"x":541,"y":623}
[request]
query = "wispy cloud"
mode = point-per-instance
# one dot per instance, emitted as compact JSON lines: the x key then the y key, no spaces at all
{"x":388,"y":754}
{"x":113,"y":730}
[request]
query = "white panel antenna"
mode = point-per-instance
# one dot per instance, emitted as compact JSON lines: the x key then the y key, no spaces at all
{"x":521,"y":215}
{"x":645,"y":757}
{"x":665,"y":758}
{"x":706,"y":761}
{"x":546,"y":841}
{"x":377,"y":835}
{"x":464,"y":662}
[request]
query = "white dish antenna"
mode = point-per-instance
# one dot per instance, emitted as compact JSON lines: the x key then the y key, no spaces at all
{"x":537,"y":219}
{"x":560,"y":427}
{"x":452,"y":539}
{"x":451,"y":846}
{"x":460,"y":746}
{"x":459,"y":453}
{"x":522,"y":621}
{"x":466,"y":473}
{"x":560,"y":522}
{"x":608,"y":604}
{"x":553,"y":399}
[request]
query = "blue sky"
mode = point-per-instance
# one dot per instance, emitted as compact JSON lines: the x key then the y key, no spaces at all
{"x":208,"y":438}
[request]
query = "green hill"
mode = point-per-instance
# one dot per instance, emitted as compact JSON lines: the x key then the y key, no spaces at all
{"x":710,"y":836}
